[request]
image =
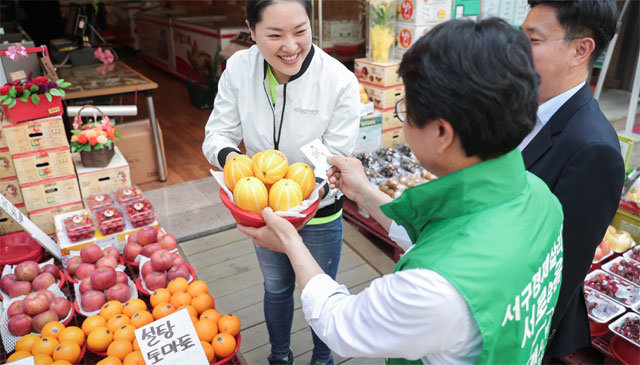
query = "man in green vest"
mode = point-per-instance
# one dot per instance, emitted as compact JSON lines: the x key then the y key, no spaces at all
{"x":481,"y":282}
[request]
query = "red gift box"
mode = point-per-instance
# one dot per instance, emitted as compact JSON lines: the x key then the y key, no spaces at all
{"x":24,"y":111}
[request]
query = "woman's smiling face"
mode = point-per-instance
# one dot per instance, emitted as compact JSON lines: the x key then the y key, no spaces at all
{"x":283,"y":36}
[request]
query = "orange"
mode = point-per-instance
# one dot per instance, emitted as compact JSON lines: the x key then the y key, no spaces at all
{"x":206,"y":329}
{"x":223,"y":344}
{"x":134,"y":358}
{"x":230,"y":324}
{"x":72,"y":333}
{"x":208,"y":351}
{"x":197,"y":287}
{"x":42,"y":359}
{"x":251,"y":195}
{"x":99,"y":339}
{"x":92,"y":323}
{"x":110,"y":360}
{"x":192,"y":311}
{"x":118,"y":321}
{"x":18,"y":355}
{"x":52,"y":329}
{"x":26,"y":342}
{"x":194,"y":319}
{"x":163,"y":310}
{"x":126,"y":332}
{"x":269,"y":166}
{"x":236,"y":168}
{"x":284,"y":195}
{"x":211,"y":314}
{"x":177,"y":285}
{"x":159,"y":296}
{"x":133,"y":306}
{"x":136,"y":347}
{"x":61,"y":362}
{"x":141,"y":318}
{"x":67,"y":350}
{"x":120,"y":349}
{"x":303,"y":174}
{"x":110,"y":309}
{"x":202,"y":302}
{"x":180,"y":298}
{"x":46,"y":345}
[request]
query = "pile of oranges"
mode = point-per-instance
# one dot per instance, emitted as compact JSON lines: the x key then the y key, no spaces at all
{"x":56,"y":344}
{"x":112,"y":332}
{"x":215,"y":331}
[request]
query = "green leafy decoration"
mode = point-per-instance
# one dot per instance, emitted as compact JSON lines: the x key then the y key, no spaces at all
{"x":2,"y":97}
{"x":85,"y":147}
{"x":34,"y":88}
{"x":48,"y":96}
{"x":98,"y":146}
{"x":12,"y":92}
{"x":24,"y":98}
{"x":60,"y":82}
{"x":7,"y":101}
{"x":13,"y":103}
{"x":56,"y":92}
{"x":35,"y":99}
{"x":108,"y":143}
{"x":75,"y":131}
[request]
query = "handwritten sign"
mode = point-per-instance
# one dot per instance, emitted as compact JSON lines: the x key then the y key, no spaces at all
{"x":171,"y":340}
{"x":33,"y":230}
{"x":26,"y":361}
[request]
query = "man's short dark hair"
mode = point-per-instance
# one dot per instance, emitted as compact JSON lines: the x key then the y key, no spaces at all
{"x":477,"y":76}
{"x":595,"y":19}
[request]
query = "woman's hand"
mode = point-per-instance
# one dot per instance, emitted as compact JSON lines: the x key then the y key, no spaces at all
{"x":276,"y":235}
{"x":347,"y":174}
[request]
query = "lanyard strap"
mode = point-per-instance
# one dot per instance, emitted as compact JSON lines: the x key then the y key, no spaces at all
{"x":273,"y":82}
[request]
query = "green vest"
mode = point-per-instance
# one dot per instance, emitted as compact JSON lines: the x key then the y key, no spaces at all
{"x":494,"y":231}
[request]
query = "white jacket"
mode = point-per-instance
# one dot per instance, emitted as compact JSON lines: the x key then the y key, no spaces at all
{"x":322,"y":101}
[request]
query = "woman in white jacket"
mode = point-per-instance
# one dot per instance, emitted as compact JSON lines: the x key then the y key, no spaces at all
{"x":281,"y":94}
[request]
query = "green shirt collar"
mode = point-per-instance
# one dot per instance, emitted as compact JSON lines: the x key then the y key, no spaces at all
{"x":273,"y":82}
{"x":475,"y":188}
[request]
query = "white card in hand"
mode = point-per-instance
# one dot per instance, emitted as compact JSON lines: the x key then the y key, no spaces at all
{"x":317,"y":153}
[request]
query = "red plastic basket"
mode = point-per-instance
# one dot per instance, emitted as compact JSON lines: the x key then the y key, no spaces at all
{"x":18,"y":247}
{"x":254,"y":220}
{"x":624,"y":351}
{"x":228,"y":359}
{"x":141,"y":288}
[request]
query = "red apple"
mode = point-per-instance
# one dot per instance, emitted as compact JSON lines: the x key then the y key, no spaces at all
{"x":131,"y":251}
{"x":178,"y":271}
{"x":146,"y":269}
{"x":35,"y":303}
{"x":132,"y":238}
{"x":42,"y":319}
{"x":161,"y":260}
{"x":43,"y":281}
{"x":61,"y":306}
{"x":103,"y":278}
{"x":177,"y":259}
{"x":155,"y":280}
{"x":147,"y":235}
{"x":91,"y":253}
{"x":48,"y":294}
{"x":119,"y":292}
{"x":121,"y":278}
{"x":19,"y":288}
{"x":52,"y":269}
{"x":6,"y":281}
{"x":112,"y":251}
{"x":107,"y":261}
{"x":20,"y":325}
{"x":84,"y":270}
{"x":92,"y":300}
{"x":15,"y":308}
{"x":73,"y":263}
{"x":27,"y":270}
{"x":168,"y":242}
{"x":85,"y":286}
{"x":149,"y":249}
{"x":159,"y":235}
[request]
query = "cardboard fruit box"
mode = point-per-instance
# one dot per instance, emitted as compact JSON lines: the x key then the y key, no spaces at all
{"x":35,"y":135}
{"x":43,"y":165}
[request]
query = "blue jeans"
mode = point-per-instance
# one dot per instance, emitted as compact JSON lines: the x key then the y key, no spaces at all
{"x":324,"y":241}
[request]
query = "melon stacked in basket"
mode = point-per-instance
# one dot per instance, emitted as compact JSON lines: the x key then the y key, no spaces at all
{"x":267,"y":179}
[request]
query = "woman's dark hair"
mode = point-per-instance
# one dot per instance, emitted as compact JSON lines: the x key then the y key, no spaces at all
{"x":254,"y":9}
{"x":479,"y":77}
{"x":595,"y":19}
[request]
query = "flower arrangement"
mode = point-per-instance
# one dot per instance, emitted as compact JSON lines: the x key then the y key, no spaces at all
{"x":93,"y":136}
{"x":31,"y":89}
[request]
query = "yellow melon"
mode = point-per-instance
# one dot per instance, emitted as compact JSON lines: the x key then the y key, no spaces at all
{"x":251,"y":195}
{"x":236,"y":168}
{"x":284,"y":195}
{"x":303,"y":174}
{"x":270,"y":166}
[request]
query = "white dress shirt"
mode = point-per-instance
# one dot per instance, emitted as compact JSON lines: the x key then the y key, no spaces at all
{"x":412,"y":314}
{"x":546,"y":110}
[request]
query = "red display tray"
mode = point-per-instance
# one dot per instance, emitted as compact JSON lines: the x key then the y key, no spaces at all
{"x":24,"y":111}
{"x":18,"y":247}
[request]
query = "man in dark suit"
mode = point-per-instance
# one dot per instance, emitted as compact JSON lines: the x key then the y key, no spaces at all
{"x":573,"y":147}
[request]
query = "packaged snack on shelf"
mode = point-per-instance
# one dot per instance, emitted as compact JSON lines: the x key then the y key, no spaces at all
{"x":79,"y":226}
{"x":128,"y":195}
{"x":620,"y":290}
{"x":110,"y":220}
{"x":140,"y":213}
{"x":97,"y":202}
{"x":624,"y":268}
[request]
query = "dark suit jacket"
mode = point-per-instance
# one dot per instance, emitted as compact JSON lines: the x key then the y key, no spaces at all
{"x":577,"y":153}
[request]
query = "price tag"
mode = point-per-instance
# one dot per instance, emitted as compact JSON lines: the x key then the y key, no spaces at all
{"x":317,"y":154}
{"x":106,"y":242}
{"x":171,"y":340}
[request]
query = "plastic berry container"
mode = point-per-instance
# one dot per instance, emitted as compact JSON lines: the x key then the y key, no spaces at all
{"x":620,"y":290}
{"x":140,"y":213}
{"x":624,"y":268}
{"x":633,"y":254}
{"x":79,"y":227}
{"x":110,"y":221}
{"x":128,"y":195}
{"x":97,"y":202}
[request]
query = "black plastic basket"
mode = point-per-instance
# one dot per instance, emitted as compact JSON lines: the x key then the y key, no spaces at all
{"x":202,"y":93}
